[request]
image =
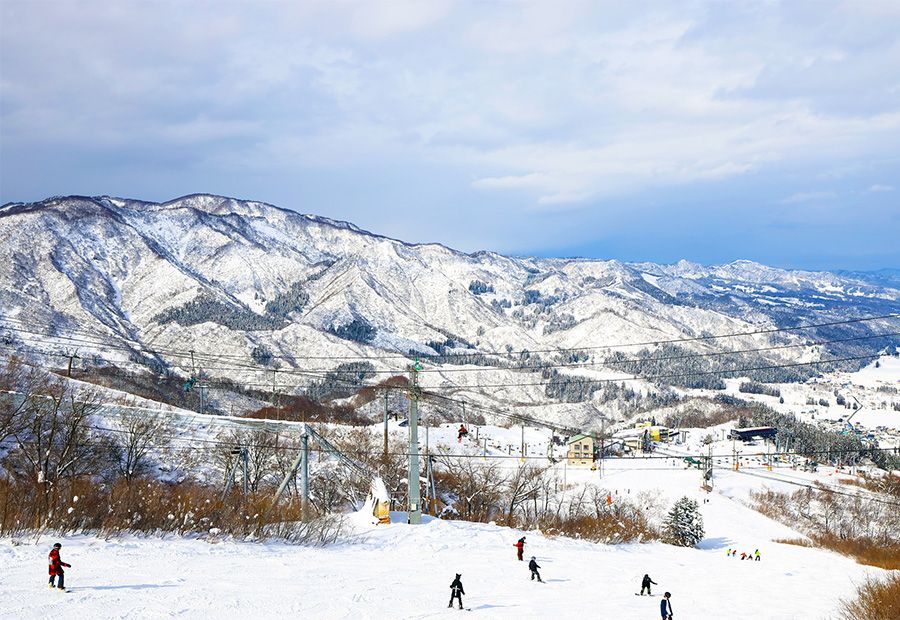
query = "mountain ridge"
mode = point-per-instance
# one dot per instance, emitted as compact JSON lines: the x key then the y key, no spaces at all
{"x":249,"y":276}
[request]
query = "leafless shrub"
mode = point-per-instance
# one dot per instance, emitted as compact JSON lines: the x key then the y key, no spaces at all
{"x":863,"y":526}
{"x":876,"y":599}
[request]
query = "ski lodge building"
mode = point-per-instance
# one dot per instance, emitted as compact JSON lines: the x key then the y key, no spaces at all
{"x":581,"y":450}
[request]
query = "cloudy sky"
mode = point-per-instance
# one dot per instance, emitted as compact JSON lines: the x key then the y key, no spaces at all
{"x":710,"y":131}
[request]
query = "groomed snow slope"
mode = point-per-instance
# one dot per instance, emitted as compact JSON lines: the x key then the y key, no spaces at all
{"x":401,"y":571}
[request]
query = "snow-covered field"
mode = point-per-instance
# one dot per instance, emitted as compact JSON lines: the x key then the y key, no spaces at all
{"x":401,"y":571}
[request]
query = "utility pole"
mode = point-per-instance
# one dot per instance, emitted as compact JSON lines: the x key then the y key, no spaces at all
{"x":200,"y":383}
{"x":414,"y":495}
{"x":274,"y":406}
{"x":245,"y":454}
{"x":522,"y":448}
{"x":734,"y":453}
{"x":71,"y":357}
{"x":304,"y":475}
{"x":386,"y":392}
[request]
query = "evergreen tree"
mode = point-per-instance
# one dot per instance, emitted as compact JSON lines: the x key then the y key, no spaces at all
{"x":684,"y":523}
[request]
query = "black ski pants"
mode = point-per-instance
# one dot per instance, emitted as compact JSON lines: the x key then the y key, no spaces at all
{"x":455,"y":594}
{"x":60,"y":583}
{"x":645,"y":588}
{"x":534,"y":574}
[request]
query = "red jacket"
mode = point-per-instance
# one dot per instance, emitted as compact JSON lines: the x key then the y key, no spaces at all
{"x":56,"y":563}
{"x":519,"y":545}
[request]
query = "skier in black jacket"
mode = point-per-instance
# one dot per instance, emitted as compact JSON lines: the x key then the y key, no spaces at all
{"x":533,"y":566}
{"x":456,"y":591}
{"x":645,"y":584}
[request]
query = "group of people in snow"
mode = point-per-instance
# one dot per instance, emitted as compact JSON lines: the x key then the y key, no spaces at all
{"x":744,"y":556}
{"x":456,"y":587}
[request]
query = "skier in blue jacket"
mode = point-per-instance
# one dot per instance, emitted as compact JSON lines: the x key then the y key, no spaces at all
{"x":665,"y":607}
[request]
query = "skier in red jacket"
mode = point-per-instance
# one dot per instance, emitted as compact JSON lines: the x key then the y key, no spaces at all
{"x":56,"y":567}
{"x":520,"y":547}
{"x":462,"y":432}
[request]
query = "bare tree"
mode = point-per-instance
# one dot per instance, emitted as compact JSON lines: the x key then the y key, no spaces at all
{"x":141,"y":433}
{"x":54,"y":444}
{"x":521,"y":486}
{"x":17,"y":384}
{"x":262,"y":449}
{"x":476,"y":486}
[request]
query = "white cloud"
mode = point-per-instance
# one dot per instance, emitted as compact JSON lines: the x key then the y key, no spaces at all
{"x":880,"y":188}
{"x":801,"y":197}
{"x":566,"y":103}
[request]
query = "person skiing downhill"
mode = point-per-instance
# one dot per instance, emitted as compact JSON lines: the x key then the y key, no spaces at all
{"x":533,"y":567}
{"x":757,"y":555}
{"x":665,"y":607}
{"x":520,"y":548}
{"x":645,"y":583}
{"x":456,"y":591}
{"x":56,"y":567}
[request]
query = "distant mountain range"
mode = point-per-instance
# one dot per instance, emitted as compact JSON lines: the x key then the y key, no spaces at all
{"x":249,"y":286}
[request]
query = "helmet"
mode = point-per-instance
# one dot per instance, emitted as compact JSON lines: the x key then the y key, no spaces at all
{"x":57,"y":546}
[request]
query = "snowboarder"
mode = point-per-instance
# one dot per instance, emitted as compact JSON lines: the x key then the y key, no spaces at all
{"x":533,"y":567}
{"x":757,"y":555}
{"x":461,"y":433}
{"x":743,"y":556}
{"x":665,"y":607}
{"x":645,"y":583}
{"x":520,"y":548}
{"x":56,"y":567}
{"x":456,"y":591}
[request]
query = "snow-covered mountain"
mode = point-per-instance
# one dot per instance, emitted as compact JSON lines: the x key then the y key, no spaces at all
{"x":246,"y":284}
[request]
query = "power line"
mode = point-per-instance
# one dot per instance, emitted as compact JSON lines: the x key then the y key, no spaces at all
{"x":584,"y":380}
{"x":200,"y":442}
{"x":523,"y":417}
{"x":184,"y":354}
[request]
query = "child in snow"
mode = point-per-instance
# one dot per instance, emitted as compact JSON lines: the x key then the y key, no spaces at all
{"x":645,"y":583}
{"x":456,"y":591}
{"x":757,"y":555}
{"x":533,"y":567}
{"x":520,"y":548}
{"x":743,"y":556}
{"x":727,"y":553}
{"x":56,"y":567}
{"x":461,"y":433}
{"x":665,"y":607}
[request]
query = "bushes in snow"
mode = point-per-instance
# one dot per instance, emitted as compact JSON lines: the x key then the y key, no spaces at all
{"x":684,"y":524}
{"x":876,"y":599}
{"x":866,"y":527}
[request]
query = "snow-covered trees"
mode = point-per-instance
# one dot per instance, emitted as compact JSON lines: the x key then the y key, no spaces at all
{"x":477,"y":287}
{"x":358,"y":330}
{"x":684,"y":524}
